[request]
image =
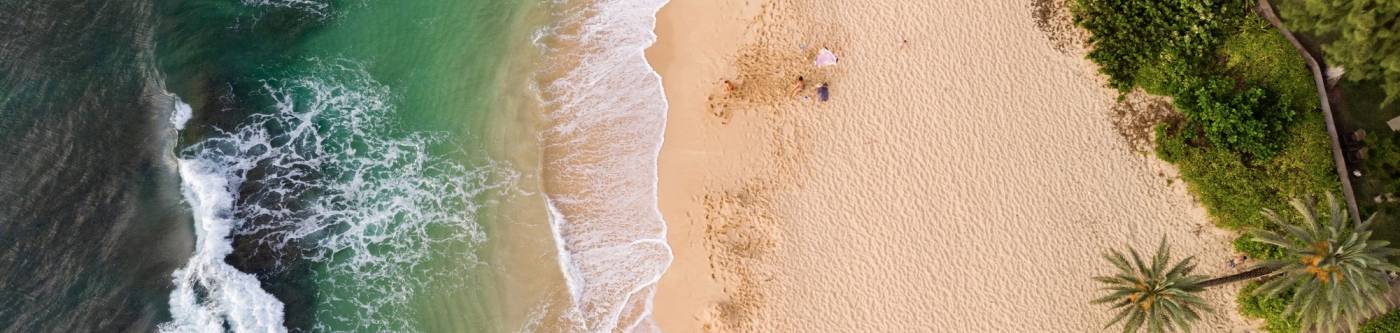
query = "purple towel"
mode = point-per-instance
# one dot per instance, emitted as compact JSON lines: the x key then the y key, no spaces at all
{"x":823,"y":93}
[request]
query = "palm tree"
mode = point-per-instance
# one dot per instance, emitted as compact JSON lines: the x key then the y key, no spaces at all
{"x":1337,"y":271}
{"x":1152,"y":296}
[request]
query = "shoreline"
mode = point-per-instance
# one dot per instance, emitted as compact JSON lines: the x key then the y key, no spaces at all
{"x":600,"y":130}
{"x":953,"y":135}
{"x":686,"y":289}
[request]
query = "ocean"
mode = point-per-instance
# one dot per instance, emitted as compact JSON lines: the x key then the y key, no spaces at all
{"x":328,"y":166}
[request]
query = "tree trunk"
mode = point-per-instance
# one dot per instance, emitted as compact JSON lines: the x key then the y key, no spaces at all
{"x":1316,"y":66}
{"x":1246,"y":275}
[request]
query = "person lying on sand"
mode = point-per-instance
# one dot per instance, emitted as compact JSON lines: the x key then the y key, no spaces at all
{"x":730,"y":87}
{"x":1238,"y":260}
{"x":799,"y":85}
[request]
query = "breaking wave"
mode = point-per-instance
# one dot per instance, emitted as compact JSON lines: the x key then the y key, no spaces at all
{"x":325,"y":177}
{"x":317,"y":7}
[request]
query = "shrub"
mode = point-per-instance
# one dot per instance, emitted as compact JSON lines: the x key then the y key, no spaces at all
{"x":1171,"y":144}
{"x":1268,"y":308}
{"x":1233,"y":191}
{"x":1384,"y":151}
{"x":1249,"y":123}
{"x":1362,"y":37}
{"x":1260,"y":56}
{"x":1383,"y":161}
{"x":1130,"y":35}
{"x":1251,"y":137}
{"x":1382,"y":170}
{"x":1166,"y":76}
{"x":1305,"y":166}
{"x":1257,"y":250}
{"x":1387,"y":323}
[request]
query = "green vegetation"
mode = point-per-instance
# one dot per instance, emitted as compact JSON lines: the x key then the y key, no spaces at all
{"x":1269,"y":308}
{"x":1235,"y":184}
{"x":1152,"y":296}
{"x":1273,"y":308}
{"x":1251,"y":135}
{"x":1362,"y":37}
{"x":1234,"y":190}
{"x":1247,"y":122}
{"x":1336,"y":271}
{"x":1331,"y":276}
{"x":1162,"y":38}
{"x":1382,"y":170}
{"x":1262,"y":57}
{"x":1361,"y":105}
{"x":1388,"y":323}
{"x":1257,"y":250}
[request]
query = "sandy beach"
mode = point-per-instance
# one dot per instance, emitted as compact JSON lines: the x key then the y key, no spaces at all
{"x":964,"y":177}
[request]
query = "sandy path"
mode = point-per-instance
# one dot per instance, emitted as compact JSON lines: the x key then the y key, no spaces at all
{"x":964,"y":181}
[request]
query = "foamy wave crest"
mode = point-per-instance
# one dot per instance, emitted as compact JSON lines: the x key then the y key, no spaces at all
{"x":209,"y":294}
{"x":181,"y":115}
{"x":607,"y":111}
{"x":327,"y":178}
{"x":318,"y":7}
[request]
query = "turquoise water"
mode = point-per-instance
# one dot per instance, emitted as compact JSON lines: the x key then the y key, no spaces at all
{"x":325,"y":165}
{"x":339,"y":146}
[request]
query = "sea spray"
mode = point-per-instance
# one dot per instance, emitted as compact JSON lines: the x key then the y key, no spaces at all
{"x":606,"y":111}
{"x":181,"y":115}
{"x":209,"y":294}
{"x":326,"y":177}
{"x":313,"y":7}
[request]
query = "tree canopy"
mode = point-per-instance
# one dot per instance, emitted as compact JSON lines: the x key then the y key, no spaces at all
{"x":1158,"y":296}
{"x":1129,"y":37}
{"x":1363,"y":36}
{"x":1335,"y":270}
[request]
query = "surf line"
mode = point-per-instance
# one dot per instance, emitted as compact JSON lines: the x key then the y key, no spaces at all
{"x":607,"y":225}
{"x":211,"y":295}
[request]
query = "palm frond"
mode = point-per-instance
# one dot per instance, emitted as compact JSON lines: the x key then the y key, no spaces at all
{"x":1156,"y":295}
{"x":1337,"y":272}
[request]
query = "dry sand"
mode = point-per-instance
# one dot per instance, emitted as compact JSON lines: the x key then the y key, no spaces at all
{"x":964,"y":181}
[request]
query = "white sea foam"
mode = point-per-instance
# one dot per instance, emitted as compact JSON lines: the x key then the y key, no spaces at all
{"x":317,"y":7}
{"x":332,"y":181}
{"x":209,"y":294}
{"x":607,"y":110}
{"x":181,"y":115}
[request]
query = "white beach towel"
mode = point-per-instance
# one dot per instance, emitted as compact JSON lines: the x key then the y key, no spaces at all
{"x":825,"y":58}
